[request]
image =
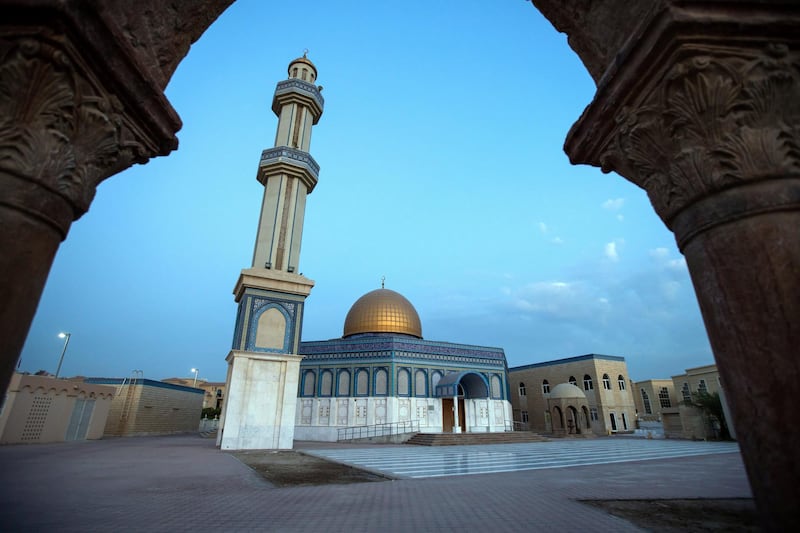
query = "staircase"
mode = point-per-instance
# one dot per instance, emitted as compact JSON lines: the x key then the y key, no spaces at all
{"x":460,"y":439}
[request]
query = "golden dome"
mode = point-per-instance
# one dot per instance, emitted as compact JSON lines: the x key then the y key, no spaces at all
{"x":382,"y":311}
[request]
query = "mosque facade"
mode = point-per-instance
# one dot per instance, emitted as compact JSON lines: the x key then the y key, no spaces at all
{"x":383,"y":374}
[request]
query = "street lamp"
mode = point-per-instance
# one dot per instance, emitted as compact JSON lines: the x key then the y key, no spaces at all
{"x":195,"y":370}
{"x":66,"y":337}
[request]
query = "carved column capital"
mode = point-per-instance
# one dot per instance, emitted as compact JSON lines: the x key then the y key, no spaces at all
{"x":65,"y":125}
{"x":688,"y":115}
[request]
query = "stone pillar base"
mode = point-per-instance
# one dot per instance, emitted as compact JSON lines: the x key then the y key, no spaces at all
{"x":261,"y":401}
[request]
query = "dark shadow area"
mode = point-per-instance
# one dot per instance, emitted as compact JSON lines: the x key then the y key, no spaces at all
{"x":734,"y":514}
{"x":292,"y":469}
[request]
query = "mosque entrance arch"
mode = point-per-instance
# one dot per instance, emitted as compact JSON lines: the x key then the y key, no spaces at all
{"x":573,"y":426}
{"x":454,"y":389}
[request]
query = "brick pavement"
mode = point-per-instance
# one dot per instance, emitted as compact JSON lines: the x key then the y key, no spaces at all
{"x":184,"y":482}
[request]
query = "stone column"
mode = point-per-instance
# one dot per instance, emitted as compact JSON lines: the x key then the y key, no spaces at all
{"x":81,"y":98}
{"x":701,"y":108}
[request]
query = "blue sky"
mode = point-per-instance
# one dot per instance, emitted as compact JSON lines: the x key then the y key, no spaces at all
{"x":441,"y":168}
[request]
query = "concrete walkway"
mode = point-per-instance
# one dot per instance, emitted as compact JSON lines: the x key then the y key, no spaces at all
{"x":182,"y":483}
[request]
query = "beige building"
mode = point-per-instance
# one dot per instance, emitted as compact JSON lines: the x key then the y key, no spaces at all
{"x":689,"y":422}
{"x":598,"y":400}
{"x":652,"y":396}
{"x":146,"y":407}
{"x":41,"y":409}
{"x":214,"y":391}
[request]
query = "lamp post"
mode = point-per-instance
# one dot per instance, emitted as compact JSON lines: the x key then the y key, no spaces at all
{"x":195,"y":370}
{"x":66,"y":337}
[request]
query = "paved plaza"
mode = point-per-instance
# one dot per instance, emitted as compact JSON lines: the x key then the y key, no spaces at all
{"x":418,"y":462}
{"x":183,"y":482}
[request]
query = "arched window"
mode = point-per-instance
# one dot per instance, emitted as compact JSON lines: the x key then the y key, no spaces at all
{"x":343,"y":386}
{"x":663,"y":397}
{"x":381,"y":381}
{"x":573,"y":381}
{"x":621,"y":382}
{"x":701,"y":387}
{"x":403,"y":381}
{"x":606,"y":382}
{"x":687,"y":395}
{"x":545,"y":387}
{"x":495,"y":384}
{"x":435,"y":377}
{"x":420,"y":383}
{"x":646,"y":399}
{"x":362,"y":382}
{"x":326,"y":383}
{"x":587,"y":382}
{"x":522,"y":389}
{"x":309,"y":383}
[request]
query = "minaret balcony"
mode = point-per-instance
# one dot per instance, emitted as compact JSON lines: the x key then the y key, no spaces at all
{"x":301,"y":92}
{"x":290,"y":161}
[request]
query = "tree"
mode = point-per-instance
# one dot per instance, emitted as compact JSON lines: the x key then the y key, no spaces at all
{"x":711,"y":405}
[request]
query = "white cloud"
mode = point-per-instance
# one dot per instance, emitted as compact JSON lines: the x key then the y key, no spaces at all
{"x":614,"y":204}
{"x":557,"y":240}
{"x":611,"y":251}
{"x":543,"y":228}
{"x":662,"y":257}
{"x":620,"y":217}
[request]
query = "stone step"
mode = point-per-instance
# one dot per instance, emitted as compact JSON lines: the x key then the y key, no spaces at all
{"x":457,"y":439}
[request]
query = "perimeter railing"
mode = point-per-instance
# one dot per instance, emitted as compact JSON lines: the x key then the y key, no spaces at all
{"x":378,"y":430}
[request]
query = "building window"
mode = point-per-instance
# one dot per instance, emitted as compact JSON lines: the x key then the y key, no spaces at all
{"x":593,"y":413}
{"x":545,"y":387}
{"x":403,"y":380}
{"x":624,"y":421}
{"x":621,"y":382}
{"x":435,"y":378}
{"x":606,"y":382}
{"x":646,"y":399}
{"x":524,"y":417}
{"x":362,"y":382}
{"x":687,"y":395}
{"x":573,"y":381}
{"x":381,"y":379}
{"x":587,"y":382}
{"x":309,"y":383}
{"x":343,"y":385}
{"x":494,"y":381}
{"x":420,"y":383}
{"x":522,"y":389}
{"x":663,"y":397}
{"x":701,"y":388}
{"x":326,"y":383}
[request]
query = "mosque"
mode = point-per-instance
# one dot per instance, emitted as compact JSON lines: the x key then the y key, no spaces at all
{"x":383,"y":373}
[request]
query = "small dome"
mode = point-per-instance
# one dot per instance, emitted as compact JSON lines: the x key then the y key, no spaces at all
{"x":305,"y":61}
{"x":383,"y":311}
{"x":566,"y":390}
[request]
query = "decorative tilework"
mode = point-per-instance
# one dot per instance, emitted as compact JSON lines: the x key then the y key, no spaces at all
{"x":255,"y":305}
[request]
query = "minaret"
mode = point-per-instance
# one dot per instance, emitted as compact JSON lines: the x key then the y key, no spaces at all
{"x":263,"y":365}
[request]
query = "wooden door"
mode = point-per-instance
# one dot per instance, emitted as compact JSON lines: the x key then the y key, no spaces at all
{"x":447,"y":415}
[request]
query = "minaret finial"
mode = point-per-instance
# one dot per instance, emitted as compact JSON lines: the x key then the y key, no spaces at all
{"x":383,"y":280}
{"x":305,"y":52}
